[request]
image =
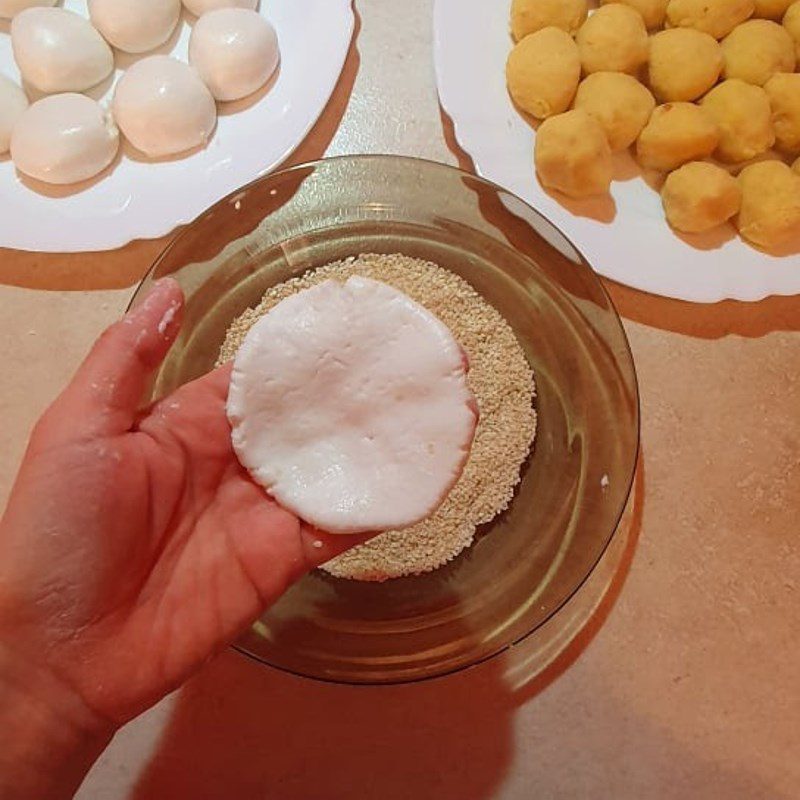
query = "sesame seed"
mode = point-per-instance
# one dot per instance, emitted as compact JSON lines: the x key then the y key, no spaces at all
{"x":502,"y":381}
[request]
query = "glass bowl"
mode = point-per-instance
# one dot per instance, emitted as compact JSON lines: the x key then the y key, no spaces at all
{"x":526,"y":564}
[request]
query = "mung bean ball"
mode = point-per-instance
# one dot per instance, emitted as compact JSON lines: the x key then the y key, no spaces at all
{"x":529,"y":16}
{"x":684,"y":64}
{"x":619,"y":103}
{"x":770,"y":211}
{"x":572,"y":155}
{"x":791,"y":22}
{"x":700,"y":196}
{"x":613,"y":39}
{"x":542,"y":72}
{"x":743,"y":115}
{"x":771,"y":9}
{"x":757,"y":49}
{"x":715,"y":17}
{"x":783,"y":90}
{"x":675,"y":134}
{"x":652,"y":11}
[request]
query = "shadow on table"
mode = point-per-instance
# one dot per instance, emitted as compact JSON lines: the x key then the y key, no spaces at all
{"x":535,"y":670}
{"x":705,"y":321}
{"x":240,"y":730}
{"x":125,"y":267}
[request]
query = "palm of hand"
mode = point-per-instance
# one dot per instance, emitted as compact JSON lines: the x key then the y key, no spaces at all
{"x":139,"y":547}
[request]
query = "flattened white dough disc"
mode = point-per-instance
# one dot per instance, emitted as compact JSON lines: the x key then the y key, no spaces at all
{"x":349,"y":403}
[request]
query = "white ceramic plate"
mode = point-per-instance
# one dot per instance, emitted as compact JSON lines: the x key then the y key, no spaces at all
{"x":138,"y":199}
{"x":627,"y":240}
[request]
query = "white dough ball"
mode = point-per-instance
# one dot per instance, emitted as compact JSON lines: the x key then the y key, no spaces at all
{"x":13,"y":102}
{"x":59,"y":51}
{"x":234,"y":51}
{"x":9,"y":8}
{"x":135,"y":26}
{"x":64,"y":138}
{"x":200,"y":7}
{"x":163,"y":107}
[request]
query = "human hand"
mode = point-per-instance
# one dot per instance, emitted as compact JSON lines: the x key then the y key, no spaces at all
{"x":134,"y":546}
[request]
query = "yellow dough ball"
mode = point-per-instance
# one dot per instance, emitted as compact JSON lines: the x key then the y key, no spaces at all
{"x":772,"y":9}
{"x":699,"y":196}
{"x":619,"y":103}
{"x":791,"y":22}
{"x":770,"y":211}
{"x":543,"y":71}
{"x":613,"y":39}
{"x":529,"y":16}
{"x":756,"y":50}
{"x":675,"y":134}
{"x":684,"y":63}
{"x":572,"y":155}
{"x":715,"y":17}
{"x":652,"y":11}
{"x":743,"y":115}
{"x":783,"y":90}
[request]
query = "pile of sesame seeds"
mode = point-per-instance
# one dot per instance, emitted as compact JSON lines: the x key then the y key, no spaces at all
{"x":503,"y":384}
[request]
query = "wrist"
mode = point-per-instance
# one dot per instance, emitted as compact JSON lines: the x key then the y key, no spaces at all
{"x":50,"y":737}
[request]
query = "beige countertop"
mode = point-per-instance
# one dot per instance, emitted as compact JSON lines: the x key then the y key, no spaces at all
{"x":684,"y":684}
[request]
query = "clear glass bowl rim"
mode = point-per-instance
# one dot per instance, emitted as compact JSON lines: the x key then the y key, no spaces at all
{"x":279,"y":174}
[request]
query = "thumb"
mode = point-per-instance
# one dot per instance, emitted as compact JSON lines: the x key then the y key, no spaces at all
{"x":104,"y":395}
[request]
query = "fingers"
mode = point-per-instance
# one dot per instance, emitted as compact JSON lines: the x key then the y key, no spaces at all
{"x":211,"y":388}
{"x":103,"y":397}
{"x":196,"y":406}
{"x":217,"y":381}
{"x":194,"y":416}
